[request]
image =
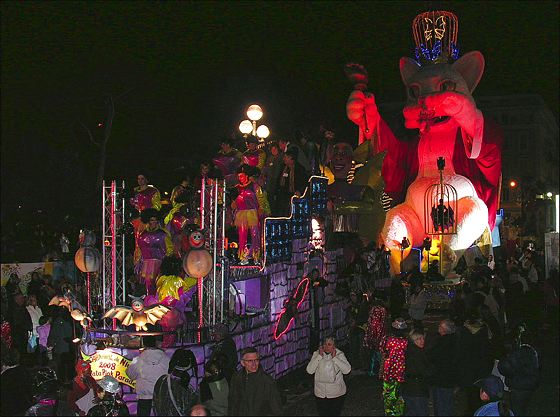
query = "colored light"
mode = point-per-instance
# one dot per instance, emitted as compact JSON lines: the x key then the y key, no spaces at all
{"x":549,"y":194}
{"x":557,"y":213}
{"x":512,"y":184}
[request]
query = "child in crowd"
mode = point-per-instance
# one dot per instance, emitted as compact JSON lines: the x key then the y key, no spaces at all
{"x":43,"y":330}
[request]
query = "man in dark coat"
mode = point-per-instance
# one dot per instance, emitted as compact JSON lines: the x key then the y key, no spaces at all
{"x":292,"y":181}
{"x":15,"y":385}
{"x":521,"y":370}
{"x":442,"y":357}
{"x":418,"y":371}
{"x":252,"y":391}
{"x":20,"y":323}
{"x":473,"y":349}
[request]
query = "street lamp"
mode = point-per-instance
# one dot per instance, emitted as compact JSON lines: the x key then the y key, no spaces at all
{"x":254,"y":113}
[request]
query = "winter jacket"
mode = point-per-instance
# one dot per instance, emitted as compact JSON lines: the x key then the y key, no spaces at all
{"x":329,"y":371}
{"x":184,"y":397}
{"x":442,"y":358}
{"x":227,"y":348}
{"x":253,"y":394}
{"x":521,"y":369}
{"x":146,"y":370}
{"x":214,"y":395}
{"x":418,"y":371}
{"x":15,"y":389}
{"x":473,"y":351}
{"x":60,"y":336}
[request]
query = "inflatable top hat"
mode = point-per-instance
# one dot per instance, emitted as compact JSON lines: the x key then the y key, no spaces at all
{"x":435,"y":36}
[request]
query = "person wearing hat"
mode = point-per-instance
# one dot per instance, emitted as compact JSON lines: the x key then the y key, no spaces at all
{"x":173,"y":394}
{"x":393,"y":351}
{"x":108,"y":401}
{"x":45,"y":388}
{"x":492,"y":392}
{"x":293,"y":180}
{"x":249,"y":206}
{"x":253,"y":156}
{"x":224,"y":350}
{"x":154,"y":243}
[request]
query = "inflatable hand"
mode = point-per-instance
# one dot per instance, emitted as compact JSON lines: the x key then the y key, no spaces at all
{"x":362,"y":110}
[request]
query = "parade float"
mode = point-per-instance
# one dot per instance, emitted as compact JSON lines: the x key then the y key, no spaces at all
{"x":433,"y":196}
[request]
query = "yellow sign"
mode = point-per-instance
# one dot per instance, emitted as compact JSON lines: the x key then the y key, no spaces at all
{"x":105,"y":362}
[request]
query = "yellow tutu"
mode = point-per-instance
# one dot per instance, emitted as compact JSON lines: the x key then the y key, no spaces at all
{"x":246,"y":218}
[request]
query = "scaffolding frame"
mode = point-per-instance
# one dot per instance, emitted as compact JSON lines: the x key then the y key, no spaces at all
{"x":114,"y":271}
{"x":213,"y":223}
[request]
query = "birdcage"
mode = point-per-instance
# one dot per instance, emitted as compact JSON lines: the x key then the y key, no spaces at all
{"x":440,"y":210}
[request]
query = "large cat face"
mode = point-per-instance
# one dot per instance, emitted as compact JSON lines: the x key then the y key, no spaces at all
{"x":434,"y":83}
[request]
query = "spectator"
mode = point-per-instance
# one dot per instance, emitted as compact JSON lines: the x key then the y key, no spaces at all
{"x":418,"y":301}
{"x":521,"y":371}
{"x":252,"y":391}
{"x":45,"y":388}
{"x":475,"y":361}
{"x":35,"y":313}
{"x":173,"y":395}
{"x":491,"y":392}
{"x":444,"y":378}
{"x":34,"y":286}
{"x":393,"y":350}
{"x":199,"y":410}
{"x":108,"y":401}
{"x":396,"y":297}
{"x":214,"y":389}
{"x":376,"y":331}
{"x":21,"y":324}
{"x":43,"y":331}
{"x":224,"y":351}
{"x":357,"y":314}
{"x":60,"y":340}
{"x":329,"y":365}
{"x":491,"y":262}
{"x":12,"y":288}
{"x":418,"y":371}
{"x":146,"y":369}
{"x":15,"y":386}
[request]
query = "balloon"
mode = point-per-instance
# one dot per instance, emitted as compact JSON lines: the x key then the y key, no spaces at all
{"x":198,"y":263}
{"x":88,"y":259}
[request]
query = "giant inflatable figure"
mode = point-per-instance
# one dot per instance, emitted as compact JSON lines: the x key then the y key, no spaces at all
{"x":440,"y":105}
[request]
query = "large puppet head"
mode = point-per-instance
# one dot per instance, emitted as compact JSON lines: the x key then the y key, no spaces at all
{"x":437,"y":85}
{"x":341,"y":162}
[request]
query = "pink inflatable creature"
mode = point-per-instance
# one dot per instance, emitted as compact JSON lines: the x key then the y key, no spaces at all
{"x":440,"y":105}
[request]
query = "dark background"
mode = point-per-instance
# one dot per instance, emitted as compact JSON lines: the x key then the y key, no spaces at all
{"x":182,"y":74}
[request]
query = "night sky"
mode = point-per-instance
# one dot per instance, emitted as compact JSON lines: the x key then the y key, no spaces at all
{"x":182,"y":75}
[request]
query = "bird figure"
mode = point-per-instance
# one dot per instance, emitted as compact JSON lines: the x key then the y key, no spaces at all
{"x":137,"y":314}
{"x":77,"y":311}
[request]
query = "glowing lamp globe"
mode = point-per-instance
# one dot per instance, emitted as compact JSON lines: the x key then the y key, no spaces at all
{"x":246,"y":127}
{"x":254,"y":112}
{"x":198,"y":263}
{"x":263,"y":132}
{"x":88,"y":259}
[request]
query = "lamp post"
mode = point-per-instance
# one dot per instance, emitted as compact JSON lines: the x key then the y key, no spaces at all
{"x":254,"y":113}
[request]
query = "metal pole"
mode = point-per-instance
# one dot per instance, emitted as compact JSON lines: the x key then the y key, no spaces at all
{"x":123,"y":301}
{"x":216,"y":248}
{"x":113,"y":249}
{"x":202,"y":189}
{"x":441,"y":195}
{"x":223,"y":253}
{"x":103,"y":297}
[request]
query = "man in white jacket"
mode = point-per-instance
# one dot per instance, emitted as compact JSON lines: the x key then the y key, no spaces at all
{"x":146,"y":370}
{"x":329,"y":364}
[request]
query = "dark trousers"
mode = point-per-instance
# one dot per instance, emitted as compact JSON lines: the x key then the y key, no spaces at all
{"x":519,"y":401}
{"x":443,"y":401}
{"x":416,"y":406}
{"x":330,"y":406}
{"x":144,"y":407}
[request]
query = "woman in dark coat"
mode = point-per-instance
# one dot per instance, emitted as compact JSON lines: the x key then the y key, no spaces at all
{"x":418,"y":371}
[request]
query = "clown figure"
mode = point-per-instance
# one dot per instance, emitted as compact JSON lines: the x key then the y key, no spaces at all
{"x":249,"y":206}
